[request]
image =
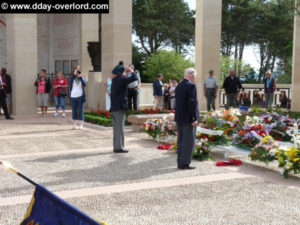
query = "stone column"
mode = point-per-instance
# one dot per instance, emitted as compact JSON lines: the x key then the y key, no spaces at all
{"x":22,"y":61}
{"x":296,"y":65}
{"x":116,"y":30}
{"x":208,"y":43}
{"x":89,"y":31}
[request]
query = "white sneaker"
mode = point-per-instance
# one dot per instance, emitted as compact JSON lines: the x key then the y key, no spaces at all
{"x":55,"y":114}
{"x":63,"y":115}
{"x":81,"y":127}
{"x":74,"y":127}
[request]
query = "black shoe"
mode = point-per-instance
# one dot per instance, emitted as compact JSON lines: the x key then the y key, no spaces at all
{"x":120,"y":151}
{"x":186,"y":167}
{"x":9,"y":118}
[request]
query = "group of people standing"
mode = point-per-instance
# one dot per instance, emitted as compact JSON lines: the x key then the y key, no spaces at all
{"x":164,"y":94}
{"x":77,"y":94}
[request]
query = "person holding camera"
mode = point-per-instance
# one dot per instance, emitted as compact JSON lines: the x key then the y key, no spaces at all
{"x":78,"y":83}
{"x":43,"y":87}
{"x":60,"y":85}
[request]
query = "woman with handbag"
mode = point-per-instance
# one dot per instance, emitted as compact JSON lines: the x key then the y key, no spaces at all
{"x":60,"y":85}
{"x":77,"y":85}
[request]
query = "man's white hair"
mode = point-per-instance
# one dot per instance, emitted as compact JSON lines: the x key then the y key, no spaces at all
{"x":190,"y":72}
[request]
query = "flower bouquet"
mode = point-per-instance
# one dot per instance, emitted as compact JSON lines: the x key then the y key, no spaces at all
{"x":264,"y":151}
{"x":169,"y":128}
{"x":153,"y":127}
{"x":289,"y":160}
{"x":249,"y":136}
{"x":202,"y":149}
{"x":280,"y":132}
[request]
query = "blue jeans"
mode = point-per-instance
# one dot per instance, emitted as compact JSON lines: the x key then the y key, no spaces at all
{"x":77,"y":108}
{"x":60,"y":100}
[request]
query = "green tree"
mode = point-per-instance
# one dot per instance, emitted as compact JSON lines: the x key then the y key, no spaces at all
{"x":138,"y":60}
{"x":267,"y":24}
{"x":158,"y":24}
{"x":247,"y":72}
{"x":169,"y":63}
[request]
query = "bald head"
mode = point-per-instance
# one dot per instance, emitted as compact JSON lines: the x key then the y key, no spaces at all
{"x":190,"y":74}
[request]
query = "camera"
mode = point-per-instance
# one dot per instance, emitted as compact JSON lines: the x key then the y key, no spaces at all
{"x":78,"y":72}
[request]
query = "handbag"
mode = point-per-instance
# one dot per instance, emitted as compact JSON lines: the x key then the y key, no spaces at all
{"x":62,"y":92}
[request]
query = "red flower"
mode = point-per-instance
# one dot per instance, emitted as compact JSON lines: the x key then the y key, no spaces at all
{"x":92,"y":111}
{"x":172,"y":111}
{"x":279,"y":139}
{"x":107,"y":115}
{"x":100,"y":112}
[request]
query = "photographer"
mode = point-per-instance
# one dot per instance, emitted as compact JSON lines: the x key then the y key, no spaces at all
{"x":78,"y":83}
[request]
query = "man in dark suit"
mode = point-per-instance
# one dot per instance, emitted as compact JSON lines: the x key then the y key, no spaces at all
{"x":158,"y":92}
{"x":119,"y":104}
{"x":3,"y":85}
{"x":186,"y":117}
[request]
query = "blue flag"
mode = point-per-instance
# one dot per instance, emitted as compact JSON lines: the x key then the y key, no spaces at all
{"x":48,"y":209}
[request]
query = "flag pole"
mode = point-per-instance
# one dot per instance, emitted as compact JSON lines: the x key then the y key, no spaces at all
{"x":9,"y":166}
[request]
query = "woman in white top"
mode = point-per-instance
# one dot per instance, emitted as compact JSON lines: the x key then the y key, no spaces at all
{"x":108,"y":92}
{"x":77,"y":84}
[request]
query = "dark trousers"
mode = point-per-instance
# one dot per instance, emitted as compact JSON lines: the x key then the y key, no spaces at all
{"x":185,"y":143}
{"x":77,"y":108}
{"x":3,"y":104}
{"x":132,"y":98}
{"x":118,"y":127}
{"x":231,"y":100}
{"x":210,"y":99}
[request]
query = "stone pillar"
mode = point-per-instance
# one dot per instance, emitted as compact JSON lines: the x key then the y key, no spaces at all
{"x":296,"y":65}
{"x":116,"y":30}
{"x":93,"y":98}
{"x":22,"y":61}
{"x":89,"y":31}
{"x":208,"y":43}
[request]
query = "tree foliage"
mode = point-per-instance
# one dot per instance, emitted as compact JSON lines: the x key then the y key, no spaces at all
{"x":169,"y":63}
{"x":265,"y":23}
{"x":247,"y":72}
{"x":158,"y":24}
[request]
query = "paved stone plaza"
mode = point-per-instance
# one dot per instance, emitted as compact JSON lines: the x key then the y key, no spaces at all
{"x":142,"y":187}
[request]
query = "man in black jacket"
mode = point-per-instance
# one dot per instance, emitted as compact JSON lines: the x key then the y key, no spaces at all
{"x":232,"y":86}
{"x":186,"y":117}
{"x":3,"y":85}
{"x":7,"y":88}
{"x":119,"y":104}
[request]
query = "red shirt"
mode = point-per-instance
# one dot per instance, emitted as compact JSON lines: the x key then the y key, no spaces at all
{"x":63,"y":81}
